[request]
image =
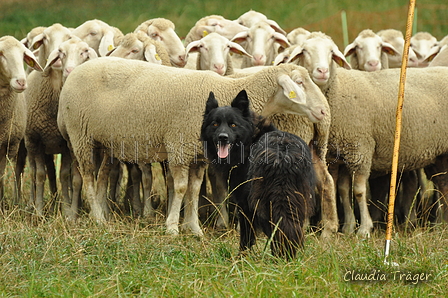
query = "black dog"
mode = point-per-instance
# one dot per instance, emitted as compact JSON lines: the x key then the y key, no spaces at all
{"x":269,"y":171}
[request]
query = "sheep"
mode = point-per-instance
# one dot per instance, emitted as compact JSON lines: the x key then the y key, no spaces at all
{"x":13,"y":82}
{"x":396,"y":39}
{"x":140,"y":46}
{"x":213,"y":23}
{"x":363,"y":121}
{"x":42,"y":136}
{"x":369,"y":52}
{"x":158,"y":92}
{"x":438,"y":55}
{"x":99,"y":35}
{"x":252,"y":17}
{"x":422,"y":43}
{"x":260,"y":41}
{"x":162,"y":30}
{"x":214,"y":53}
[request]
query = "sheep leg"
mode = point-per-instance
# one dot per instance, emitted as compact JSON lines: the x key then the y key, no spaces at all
{"x":76,"y":194}
{"x":114,"y":183}
{"x":51,"y":174}
{"x":344,"y":189}
{"x":64,"y":174}
{"x":148,"y":210}
{"x":179,"y":174}
{"x":40,"y":183}
{"x":326,"y":189}
{"x":359,"y":190}
{"x":136,"y":203}
{"x":191,"y":219}
{"x":2,"y":174}
{"x":20,"y":160}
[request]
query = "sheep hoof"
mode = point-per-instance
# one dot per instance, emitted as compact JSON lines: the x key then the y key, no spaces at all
{"x":174,"y":231}
{"x":364,"y":232}
{"x":348,"y":228}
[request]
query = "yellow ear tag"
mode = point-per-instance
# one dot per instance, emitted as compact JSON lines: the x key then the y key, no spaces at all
{"x":157,"y":57}
{"x":110,"y":48}
{"x":292,"y":94}
{"x":204,"y":33}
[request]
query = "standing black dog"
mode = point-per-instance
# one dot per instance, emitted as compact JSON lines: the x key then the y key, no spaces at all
{"x":269,"y":171}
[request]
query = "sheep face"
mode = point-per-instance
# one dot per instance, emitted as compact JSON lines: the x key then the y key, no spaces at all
{"x":49,"y":40}
{"x":98,"y":35}
{"x":396,"y":39}
{"x":71,"y":53}
{"x":169,"y":38}
{"x":317,"y":54}
{"x":12,"y":55}
{"x":367,"y":50}
{"x":422,"y":43}
{"x":260,"y":40}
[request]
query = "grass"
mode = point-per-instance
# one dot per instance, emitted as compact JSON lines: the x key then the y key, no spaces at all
{"x":134,"y":258}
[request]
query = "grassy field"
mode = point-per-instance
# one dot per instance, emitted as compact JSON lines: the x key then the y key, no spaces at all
{"x":134,"y":258}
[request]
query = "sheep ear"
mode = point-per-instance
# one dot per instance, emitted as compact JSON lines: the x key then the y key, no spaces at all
{"x":350,"y":49}
{"x":151,"y":55}
{"x":38,"y":40}
{"x":291,"y":90}
{"x":282,"y":40}
{"x":295,"y":54}
{"x":237,"y":49}
{"x":241,"y":102}
{"x":192,"y":46}
{"x":276,"y":27}
{"x":240,"y":37}
{"x":389,"y":49}
{"x":93,"y":54}
{"x":31,"y":60}
{"x":339,"y":58}
{"x":211,"y":104}
{"x":52,"y":58}
{"x":432,"y":53}
{"x":107,"y":43}
{"x":281,"y":58}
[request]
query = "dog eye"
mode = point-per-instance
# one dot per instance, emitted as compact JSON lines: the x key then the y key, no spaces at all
{"x":233,"y":125}
{"x":215,"y":124}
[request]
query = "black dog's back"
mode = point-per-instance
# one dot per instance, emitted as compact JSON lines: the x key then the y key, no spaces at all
{"x":282,"y":189}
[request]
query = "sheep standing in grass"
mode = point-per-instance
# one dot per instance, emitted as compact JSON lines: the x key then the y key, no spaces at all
{"x":369,"y":52}
{"x":214,"y":53}
{"x":162,"y":30}
{"x":396,"y":39}
{"x":13,"y":82}
{"x":422,"y":43}
{"x":363,"y":110}
{"x":154,"y":128}
{"x":99,"y":35}
{"x":42,"y":135}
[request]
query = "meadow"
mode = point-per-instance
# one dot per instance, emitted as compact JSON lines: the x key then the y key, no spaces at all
{"x":134,"y":258}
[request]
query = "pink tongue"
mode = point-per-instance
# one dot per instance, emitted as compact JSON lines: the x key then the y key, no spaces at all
{"x":223,"y":151}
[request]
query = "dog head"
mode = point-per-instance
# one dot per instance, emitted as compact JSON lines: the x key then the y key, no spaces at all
{"x":227,"y":131}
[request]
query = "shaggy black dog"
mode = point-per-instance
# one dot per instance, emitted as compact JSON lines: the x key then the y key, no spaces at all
{"x":269,"y":172}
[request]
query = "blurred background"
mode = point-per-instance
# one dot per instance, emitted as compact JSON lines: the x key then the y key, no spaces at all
{"x":17,"y":17}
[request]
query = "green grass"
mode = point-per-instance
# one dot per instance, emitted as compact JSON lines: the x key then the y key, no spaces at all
{"x":18,"y":17}
{"x":136,"y":259}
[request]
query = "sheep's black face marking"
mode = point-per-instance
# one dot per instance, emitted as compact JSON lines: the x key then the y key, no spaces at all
{"x":227,"y":131}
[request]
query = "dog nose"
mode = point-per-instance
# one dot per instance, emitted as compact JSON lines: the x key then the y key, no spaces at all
{"x":223,"y":137}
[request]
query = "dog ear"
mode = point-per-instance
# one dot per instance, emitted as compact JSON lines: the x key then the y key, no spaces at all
{"x":211,"y":104}
{"x":241,"y":102}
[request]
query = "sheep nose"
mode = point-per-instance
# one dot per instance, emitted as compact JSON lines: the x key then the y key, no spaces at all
{"x":258,"y":59}
{"x":373,"y":63}
{"x":322,"y":70}
{"x":223,"y":137}
{"x":219,"y":68}
{"x":21,"y":83}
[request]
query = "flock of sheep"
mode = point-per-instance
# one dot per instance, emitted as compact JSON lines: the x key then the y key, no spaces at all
{"x":148,"y":109}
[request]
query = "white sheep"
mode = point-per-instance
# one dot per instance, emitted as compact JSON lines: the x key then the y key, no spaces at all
{"x":214,"y":23}
{"x":162,"y":30}
{"x":396,"y":39}
{"x":140,"y":46}
{"x":170,"y":133}
{"x":438,"y":55}
{"x":369,"y":52}
{"x":13,"y":82}
{"x":363,"y":110}
{"x":422,"y":43}
{"x":252,"y":17}
{"x":261,"y":42}
{"x":99,"y":35}
{"x":214,"y":53}
{"x":42,"y":137}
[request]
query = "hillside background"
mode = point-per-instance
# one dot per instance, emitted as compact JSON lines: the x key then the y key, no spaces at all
{"x":17,"y":17}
